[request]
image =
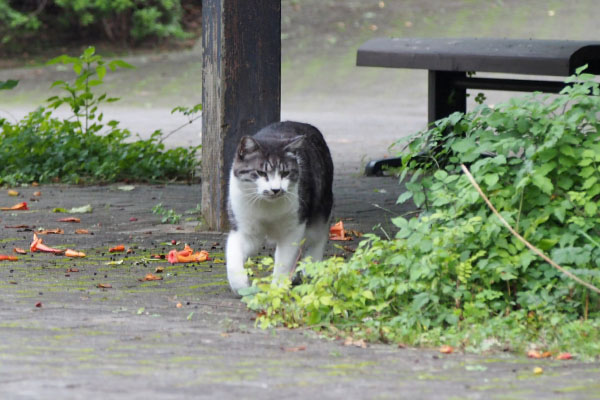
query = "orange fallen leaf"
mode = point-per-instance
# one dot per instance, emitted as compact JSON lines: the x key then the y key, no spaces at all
{"x":72,"y":269}
{"x":546,"y":354}
{"x":37,"y":194}
{"x":20,"y":206}
{"x":187,"y":255}
{"x":534,"y":354}
{"x":294,"y":349}
{"x":104,"y":285}
{"x":73,"y":253}
{"x":178,"y":305}
{"x":82,"y":231}
{"x":37,"y":245}
{"x":12,"y":192}
{"x":159,"y":270}
{"x":446,"y":349}
{"x":151,"y":277}
{"x":18,"y":227}
{"x":56,"y":231}
{"x":564,"y":356}
{"x":117,"y":249}
{"x":337,"y":232}
{"x":19,"y":250}
{"x":8,"y":258}
{"x":355,"y":342}
{"x":70,"y":219}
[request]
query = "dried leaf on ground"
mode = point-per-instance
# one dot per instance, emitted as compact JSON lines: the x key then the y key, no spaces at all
{"x":355,"y":342}
{"x":37,"y":194}
{"x":38,"y":245}
{"x":564,"y":356}
{"x":4,"y":257}
{"x":39,"y":304}
{"x":81,"y":210}
{"x":18,"y":227}
{"x":337,"y":232}
{"x":159,"y":270}
{"x":73,"y":253}
{"x":16,"y":207}
{"x":104,"y":286}
{"x":19,"y":250}
{"x":56,"y":231}
{"x":446,"y":349}
{"x":12,"y":192}
{"x":187,"y":255}
{"x":534,"y":354}
{"x":294,"y":349}
{"x":151,"y":277}
{"x":117,"y":249}
{"x":82,"y":231}
{"x":72,"y":269}
{"x":70,"y":219}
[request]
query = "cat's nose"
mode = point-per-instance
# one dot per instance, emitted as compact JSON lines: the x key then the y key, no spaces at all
{"x":275,"y":191}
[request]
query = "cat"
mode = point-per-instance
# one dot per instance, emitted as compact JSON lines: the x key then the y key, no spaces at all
{"x":280,"y":189}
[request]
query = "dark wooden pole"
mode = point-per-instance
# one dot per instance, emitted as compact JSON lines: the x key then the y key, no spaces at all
{"x":241,"y":88}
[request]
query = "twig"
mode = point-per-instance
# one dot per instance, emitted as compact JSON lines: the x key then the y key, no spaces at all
{"x":525,"y":242}
{"x":179,"y":128}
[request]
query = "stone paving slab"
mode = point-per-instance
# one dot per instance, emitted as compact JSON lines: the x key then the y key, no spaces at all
{"x":132,"y":342}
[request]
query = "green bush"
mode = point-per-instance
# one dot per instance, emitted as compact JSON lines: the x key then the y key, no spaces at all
{"x":129,"y":21}
{"x":455,"y":274}
{"x":84,"y":149}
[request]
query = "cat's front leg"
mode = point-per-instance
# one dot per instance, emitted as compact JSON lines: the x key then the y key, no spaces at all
{"x":239,"y":248}
{"x":286,"y":253}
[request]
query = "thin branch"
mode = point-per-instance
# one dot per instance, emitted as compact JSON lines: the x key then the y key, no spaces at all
{"x":525,"y":242}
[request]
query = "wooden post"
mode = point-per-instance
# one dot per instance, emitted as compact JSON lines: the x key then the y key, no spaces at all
{"x":445,"y":98}
{"x":241,"y":88}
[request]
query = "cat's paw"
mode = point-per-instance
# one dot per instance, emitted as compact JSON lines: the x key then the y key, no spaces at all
{"x":237,"y":283}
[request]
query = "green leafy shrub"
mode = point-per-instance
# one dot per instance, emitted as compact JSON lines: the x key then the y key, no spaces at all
{"x":455,"y":274}
{"x":129,"y":21}
{"x":83,"y":149}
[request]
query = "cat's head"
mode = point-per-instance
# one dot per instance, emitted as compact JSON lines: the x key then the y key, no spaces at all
{"x":270,"y":167}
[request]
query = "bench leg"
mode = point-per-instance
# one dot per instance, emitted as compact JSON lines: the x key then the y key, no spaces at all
{"x":444,"y":97}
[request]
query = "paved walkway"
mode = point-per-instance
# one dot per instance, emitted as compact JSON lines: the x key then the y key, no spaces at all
{"x":132,"y":341}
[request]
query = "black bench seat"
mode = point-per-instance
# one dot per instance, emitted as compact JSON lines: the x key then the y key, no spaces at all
{"x":451,"y":62}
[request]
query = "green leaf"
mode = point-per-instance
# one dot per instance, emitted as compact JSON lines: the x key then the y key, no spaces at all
{"x":590,"y":208}
{"x":8,"y":84}
{"x":543,"y":183}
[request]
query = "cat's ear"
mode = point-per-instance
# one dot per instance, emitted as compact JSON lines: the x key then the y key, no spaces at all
{"x":295,"y":144}
{"x":247,"y":146}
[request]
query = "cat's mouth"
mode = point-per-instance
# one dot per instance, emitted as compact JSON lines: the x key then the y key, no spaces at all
{"x":273,"y":195}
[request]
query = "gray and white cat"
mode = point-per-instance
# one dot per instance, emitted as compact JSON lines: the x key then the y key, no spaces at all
{"x":280,"y":189}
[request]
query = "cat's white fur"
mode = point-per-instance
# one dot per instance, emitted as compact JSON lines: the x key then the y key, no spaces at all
{"x":260,"y":215}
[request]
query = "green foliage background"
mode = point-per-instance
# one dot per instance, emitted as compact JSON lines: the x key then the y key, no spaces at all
{"x":123,"y":21}
{"x":84,"y":148}
{"x":455,"y":274}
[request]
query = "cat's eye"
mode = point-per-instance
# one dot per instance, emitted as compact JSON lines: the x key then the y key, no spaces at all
{"x":284,"y":173}
{"x":262,"y":174}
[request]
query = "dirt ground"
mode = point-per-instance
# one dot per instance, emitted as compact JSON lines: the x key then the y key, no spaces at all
{"x":131,"y":341}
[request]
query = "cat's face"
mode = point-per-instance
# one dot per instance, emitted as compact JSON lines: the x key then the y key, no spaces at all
{"x":267,"y":169}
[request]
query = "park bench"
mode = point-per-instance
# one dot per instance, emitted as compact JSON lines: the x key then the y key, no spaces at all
{"x":452,"y":62}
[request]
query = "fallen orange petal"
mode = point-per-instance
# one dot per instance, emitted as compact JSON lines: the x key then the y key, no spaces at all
{"x":82,"y":231}
{"x":12,"y":192}
{"x":564,"y":356}
{"x":19,"y":250}
{"x":73,"y":253}
{"x":37,"y":245}
{"x":104,"y":285}
{"x":187,"y":255}
{"x":37,"y":194}
{"x":56,"y":231}
{"x":20,"y":206}
{"x":337,"y":232}
{"x":8,"y":258}
{"x":152,"y":277}
{"x":446,"y":349}
{"x":534,"y":354}
{"x":70,"y":219}
{"x":117,"y":249}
